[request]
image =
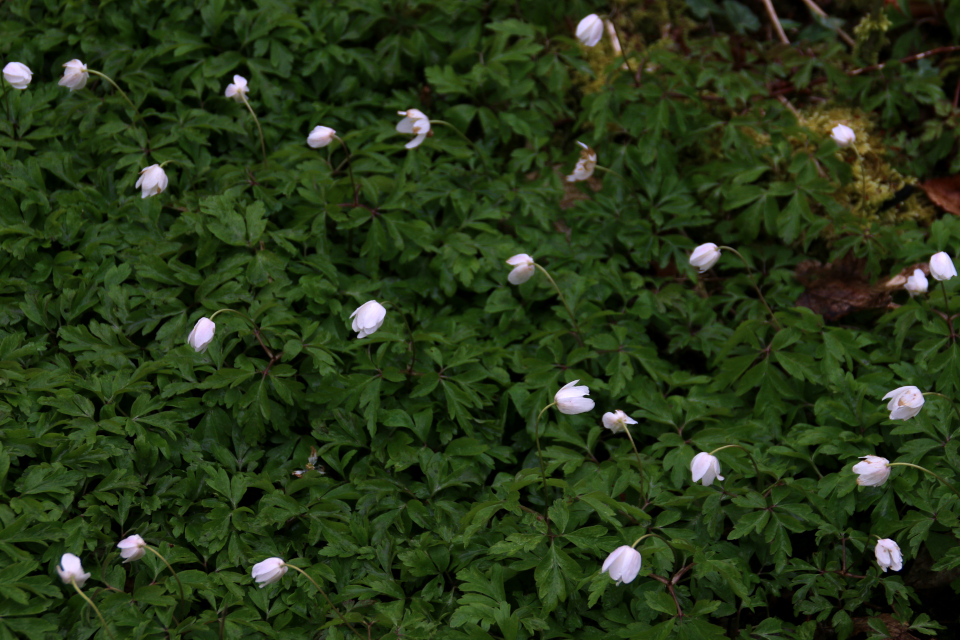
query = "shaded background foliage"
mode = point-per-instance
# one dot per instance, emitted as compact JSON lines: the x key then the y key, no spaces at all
{"x":425,"y":521}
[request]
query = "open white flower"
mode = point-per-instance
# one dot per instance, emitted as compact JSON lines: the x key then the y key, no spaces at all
{"x":942,"y":267}
{"x":268,"y":571}
{"x":523,"y":268}
{"x":843,"y":135}
{"x":368,"y":318}
{"x":132,"y":548}
{"x":70,"y":569}
{"x":321,"y":137}
{"x":585,"y":165}
{"x":74,"y":75}
{"x":415,"y":122}
{"x":705,"y":467}
{"x":872,"y":472}
{"x":17,"y":74}
{"x":572,"y":399}
{"x":238,"y":89}
{"x":617,"y":421}
{"x":623,"y":564}
{"x":705,"y":256}
{"x":153,"y":180}
{"x":917,"y":283}
{"x":202,"y":334}
{"x":590,"y":30}
{"x":905,"y":402}
{"x":888,"y":555}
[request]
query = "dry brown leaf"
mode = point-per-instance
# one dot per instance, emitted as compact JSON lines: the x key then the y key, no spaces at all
{"x":838,"y":288}
{"x":945,"y":193}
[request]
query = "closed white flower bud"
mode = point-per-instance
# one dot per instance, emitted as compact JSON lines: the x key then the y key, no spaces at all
{"x":705,"y":256}
{"x":941,"y":266}
{"x":70,"y":569}
{"x":415,"y":122}
{"x":917,"y":283}
{"x":368,"y":318}
{"x":585,"y":165}
{"x":617,"y":421}
{"x":905,"y":402}
{"x":623,"y":564}
{"x":590,"y":30}
{"x":153,"y":180}
{"x":74,"y":75}
{"x":843,"y":135}
{"x":320,"y":137}
{"x":202,"y":334}
{"x":872,"y":472}
{"x":572,"y":399}
{"x":238,"y":89}
{"x":888,"y":555}
{"x":17,"y":74}
{"x":523,"y":268}
{"x":706,"y":468}
{"x":132,"y":548}
{"x":268,"y":571}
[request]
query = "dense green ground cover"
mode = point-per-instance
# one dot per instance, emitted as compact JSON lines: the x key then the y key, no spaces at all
{"x":424,"y":515}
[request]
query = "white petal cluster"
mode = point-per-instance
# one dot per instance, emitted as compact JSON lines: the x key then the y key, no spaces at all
{"x":872,"y":472}
{"x":153,"y":180}
{"x":888,"y":555}
{"x":18,"y":75}
{"x":905,"y":402}
{"x":71,"y":570}
{"x":917,"y":283}
{"x":368,"y":318}
{"x":321,"y":137}
{"x":132,"y":548}
{"x":706,"y":468}
{"x":268,"y":571}
{"x":585,"y":165}
{"x":415,"y":122}
{"x":572,"y":399}
{"x":590,"y":30}
{"x":202,"y":334}
{"x":705,"y":256}
{"x":942,"y":267}
{"x":623,"y":564}
{"x":238,"y":89}
{"x":523,"y":268}
{"x":617,"y":421}
{"x":843,"y":135}
{"x":74,"y":75}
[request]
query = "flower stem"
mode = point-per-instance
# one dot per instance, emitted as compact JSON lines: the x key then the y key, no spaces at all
{"x":952,"y":403}
{"x":263,"y":145}
{"x":608,"y":170}
{"x":754,"y":283}
{"x":573,"y":318}
{"x":863,"y":179}
{"x":649,"y":535}
{"x":473,"y":144}
{"x":623,"y":51}
{"x":914,"y":466}
{"x":326,"y":597}
{"x":122,"y":92}
{"x":639,"y":464}
{"x":756,"y":469}
{"x":164,"y":560}
{"x":6,"y":101}
{"x":349,"y":164}
{"x":543,"y":472}
{"x":90,"y":602}
{"x":256,"y":330}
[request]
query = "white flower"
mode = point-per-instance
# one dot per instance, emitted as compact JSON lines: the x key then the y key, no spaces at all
{"x":320,"y":137}
{"x":905,"y":402}
{"x":132,"y":548}
{"x":917,"y":283}
{"x":585,"y":165}
{"x":70,"y":569}
{"x":202,"y":334}
{"x":238,"y":89}
{"x":415,"y":122}
{"x":941,"y":266}
{"x":589,"y":32}
{"x":268,"y":571}
{"x":705,"y":256}
{"x":888,"y":555}
{"x":17,"y":74}
{"x":571,"y":399}
{"x":872,"y":472}
{"x":152,"y":181}
{"x":523,"y":268}
{"x":74,"y":75}
{"x":617,"y":421}
{"x":368,"y":318}
{"x":705,"y":466}
{"x":843,"y":135}
{"x":623,"y":564}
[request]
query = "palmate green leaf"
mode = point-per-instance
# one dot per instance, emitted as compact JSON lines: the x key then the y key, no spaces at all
{"x":552,"y":574}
